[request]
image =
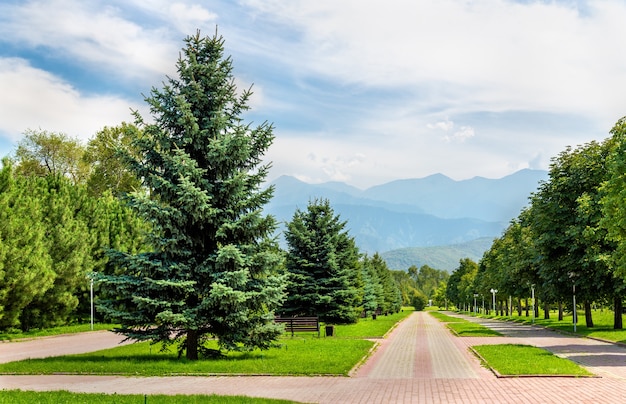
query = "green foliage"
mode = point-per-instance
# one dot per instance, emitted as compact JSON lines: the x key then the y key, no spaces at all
{"x":211,"y":271}
{"x":25,"y":264}
{"x":428,"y":279}
{"x":419,"y":301}
{"x":323,"y":267}
{"x":41,"y":153}
{"x":104,"y":156}
{"x":52,"y":236}
{"x":460,"y":288}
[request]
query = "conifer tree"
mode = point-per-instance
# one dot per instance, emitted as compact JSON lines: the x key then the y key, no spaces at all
{"x":212,"y":269}
{"x":322,"y":263}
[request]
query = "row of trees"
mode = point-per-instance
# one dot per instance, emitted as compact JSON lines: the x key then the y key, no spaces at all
{"x":168,"y":215}
{"x":52,"y":238}
{"x":570,"y":239}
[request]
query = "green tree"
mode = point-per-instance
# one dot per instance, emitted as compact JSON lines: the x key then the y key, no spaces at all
{"x":322,"y":262}
{"x":104,"y":155}
{"x":373,"y":293}
{"x":42,"y":153}
{"x":566,"y":215}
{"x":427,"y":278}
{"x":68,"y":245}
{"x":212,"y":270}
{"x":25,"y":265}
{"x":392,"y":298}
{"x":459,"y":281}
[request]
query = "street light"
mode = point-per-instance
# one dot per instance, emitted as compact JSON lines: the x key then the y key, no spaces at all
{"x":475,"y":296}
{"x":90,"y":276}
{"x":493,"y":293}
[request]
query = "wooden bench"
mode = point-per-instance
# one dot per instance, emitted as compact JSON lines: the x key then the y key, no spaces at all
{"x":299,"y":324}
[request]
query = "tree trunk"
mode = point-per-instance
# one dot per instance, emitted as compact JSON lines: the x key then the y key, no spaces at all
{"x":526,"y":307}
{"x":560,"y":311}
{"x":617,"y":313}
{"x":546,"y":310}
{"x":519,"y":307}
{"x":536,"y":307}
{"x":192,"y":345}
{"x":588,"y":318}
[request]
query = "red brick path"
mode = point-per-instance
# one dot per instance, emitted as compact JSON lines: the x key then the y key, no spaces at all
{"x":419,"y":362}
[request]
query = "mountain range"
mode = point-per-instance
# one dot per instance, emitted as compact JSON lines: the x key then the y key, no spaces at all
{"x":409,"y":218}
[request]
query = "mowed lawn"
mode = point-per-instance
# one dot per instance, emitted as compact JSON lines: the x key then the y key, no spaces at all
{"x":304,"y":354}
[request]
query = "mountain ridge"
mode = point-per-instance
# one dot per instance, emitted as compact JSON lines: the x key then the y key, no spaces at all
{"x":419,"y":212}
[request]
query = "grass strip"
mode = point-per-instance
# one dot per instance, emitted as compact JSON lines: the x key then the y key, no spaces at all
{"x":65,"y":397}
{"x":370,"y":328}
{"x":470,"y":329}
{"x":464,"y":328}
{"x":297,"y":356}
{"x":444,"y":318}
{"x":526,"y":360}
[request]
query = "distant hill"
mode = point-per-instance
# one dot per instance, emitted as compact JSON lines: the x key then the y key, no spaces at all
{"x":438,"y":257}
{"x":425,"y":212}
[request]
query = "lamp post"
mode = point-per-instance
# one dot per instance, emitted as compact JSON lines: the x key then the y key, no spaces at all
{"x":91,"y":295}
{"x":532,"y":289}
{"x":475,"y":296}
{"x":493,"y":294}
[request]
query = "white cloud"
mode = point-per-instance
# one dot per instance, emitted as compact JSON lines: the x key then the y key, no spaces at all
{"x":91,"y":33}
{"x":445,"y":125}
{"x":491,"y":55}
{"x":464,"y":133}
{"x":34,"y":99}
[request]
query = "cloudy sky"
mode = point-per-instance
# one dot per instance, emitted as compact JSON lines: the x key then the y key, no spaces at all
{"x":359,"y":91}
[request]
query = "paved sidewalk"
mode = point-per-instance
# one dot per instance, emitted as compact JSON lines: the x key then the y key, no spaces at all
{"x":66,"y":344}
{"x":419,"y":362}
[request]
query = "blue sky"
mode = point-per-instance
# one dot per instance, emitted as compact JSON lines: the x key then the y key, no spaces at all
{"x":359,"y":91}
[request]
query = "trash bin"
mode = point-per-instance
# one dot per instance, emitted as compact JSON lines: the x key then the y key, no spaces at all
{"x":330,"y":330}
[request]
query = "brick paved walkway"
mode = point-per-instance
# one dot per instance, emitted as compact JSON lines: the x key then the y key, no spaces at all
{"x":419,"y":362}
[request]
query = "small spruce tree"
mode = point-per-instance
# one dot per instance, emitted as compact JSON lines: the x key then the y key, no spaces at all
{"x":323,"y":267}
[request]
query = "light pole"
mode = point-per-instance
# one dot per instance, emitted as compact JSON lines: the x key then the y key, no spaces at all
{"x":91,"y":295}
{"x":475,"y":296}
{"x":532,"y":289}
{"x":493,"y":294}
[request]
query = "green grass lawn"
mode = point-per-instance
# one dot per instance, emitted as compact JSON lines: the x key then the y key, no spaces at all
{"x":464,"y":328}
{"x":518,"y":360}
{"x":304,"y":354}
{"x":370,"y":328}
{"x":64,"y":397}
{"x":297,"y":356}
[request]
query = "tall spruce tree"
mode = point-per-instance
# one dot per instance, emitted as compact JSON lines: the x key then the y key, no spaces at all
{"x":213,"y":271}
{"x":323,"y":267}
